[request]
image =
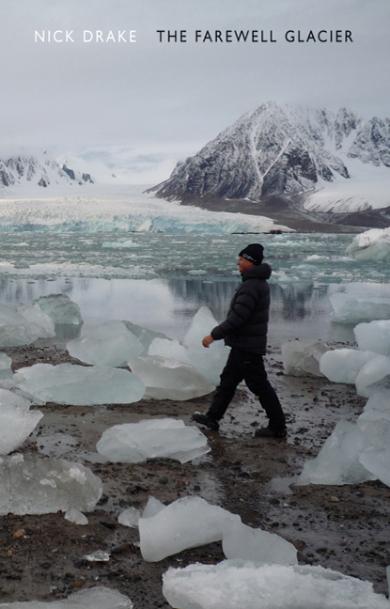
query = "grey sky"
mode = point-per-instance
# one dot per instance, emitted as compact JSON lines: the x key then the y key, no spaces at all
{"x":167,"y":100}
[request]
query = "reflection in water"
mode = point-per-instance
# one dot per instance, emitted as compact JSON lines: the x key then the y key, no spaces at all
{"x":299,"y":310}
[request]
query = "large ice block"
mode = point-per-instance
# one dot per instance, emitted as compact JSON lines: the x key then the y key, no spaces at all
{"x":373,"y":376}
{"x":169,"y":379}
{"x":246,"y":585}
{"x":90,"y":598}
{"x":36,"y":485}
{"x":209,"y":362}
{"x":241,"y":541}
{"x":186,"y":523}
{"x":23,"y":325}
{"x":338,"y":460}
{"x":358,"y":302}
{"x":343,"y":365}
{"x":377,"y":407}
{"x":152,"y":438}
{"x":169,"y":349}
{"x":376,"y":461}
{"x":145,"y":335}
{"x":302,"y":357}
{"x":17,"y":421}
{"x":374,"y":336}
{"x":62,"y":310}
{"x":105,"y":344}
{"x":373,"y":244}
{"x":81,"y":385}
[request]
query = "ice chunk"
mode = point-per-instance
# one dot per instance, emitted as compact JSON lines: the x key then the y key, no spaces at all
{"x":338,"y":459}
{"x":145,"y":335}
{"x":36,"y":485}
{"x":76,"y":517}
{"x":152,"y":438}
{"x":23,"y":326}
{"x":373,"y":244}
{"x":153,"y":506}
{"x":375,"y":374}
{"x":129,"y":517}
{"x":106,"y":344}
{"x":377,"y":462}
{"x":5,"y":366}
{"x":377,"y":407}
{"x":17,"y":421}
{"x":241,"y":541}
{"x":98,"y":556}
{"x":357,"y":302}
{"x":343,"y":365}
{"x":90,"y":598}
{"x":168,"y":349}
{"x":374,"y":336}
{"x":209,"y":362}
{"x":70,"y":384}
{"x":61,"y":309}
{"x":168,"y":379}
{"x":186,"y":523}
{"x":301,"y":358}
{"x":239,"y":585}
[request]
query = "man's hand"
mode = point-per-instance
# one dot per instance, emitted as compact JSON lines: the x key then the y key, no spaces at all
{"x":207,"y":340}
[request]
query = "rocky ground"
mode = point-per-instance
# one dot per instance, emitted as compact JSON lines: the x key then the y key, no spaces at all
{"x":343,"y":528}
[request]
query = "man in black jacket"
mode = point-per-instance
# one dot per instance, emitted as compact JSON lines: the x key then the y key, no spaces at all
{"x":245,"y":331}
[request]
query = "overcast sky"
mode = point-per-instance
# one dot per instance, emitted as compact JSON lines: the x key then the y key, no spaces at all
{"x":155,"y":103}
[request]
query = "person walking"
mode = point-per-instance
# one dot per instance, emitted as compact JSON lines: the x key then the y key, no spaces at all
{"x":245,"y":331}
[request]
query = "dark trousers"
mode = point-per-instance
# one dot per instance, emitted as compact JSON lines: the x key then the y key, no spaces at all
{"x":242,"y":365}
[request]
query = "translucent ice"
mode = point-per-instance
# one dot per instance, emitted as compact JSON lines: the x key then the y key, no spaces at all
{"x":169,"y":349}
{"x":374,"y":336}
{"x":145,"y":335}
{"x":61,"y":309}
{"x":76,"y":517}
{"x":186,"y":523}
{"x":377,"y":407}
{"x":374,"y":375}
{"x":129,"y":517}
{"x":338,"y":460}
{"x":209,"y":362}
{"x":241,"y":541}
{"x":36,"y":485}
{"x":169,"y":379}
{"x":239,"y":585}
{"x":373,"y":244}
{"x":17,"y":421}
{"x":343,"y":365}
{"x":153,"y":506}
{"x":82,"y":385}
{"x":301,"y":358}
{"x":106,"y":344}
{"x":90,"y":598}
{"x":23,"y":325}
{"x":357,"y":302}
{"x":152,"y":438}
{"x":377,"y":462}
{"x":5,"y":366}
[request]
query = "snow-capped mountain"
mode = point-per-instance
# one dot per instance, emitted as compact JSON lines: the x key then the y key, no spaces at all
{"x":292,"y":150}
{"x":39,"y":171}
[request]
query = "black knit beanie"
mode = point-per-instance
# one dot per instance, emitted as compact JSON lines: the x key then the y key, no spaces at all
{"x":253,"y":252}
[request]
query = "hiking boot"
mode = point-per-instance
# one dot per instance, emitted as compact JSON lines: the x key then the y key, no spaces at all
{"x":268,"y":432}
{"x":206,"y":421}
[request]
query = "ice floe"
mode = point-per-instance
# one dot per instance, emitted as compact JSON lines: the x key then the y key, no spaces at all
{"x":22,"y":325}
{"x":79,"y":385}
{"x":152,"y":438}
{"x":239,"y":584}
{"x":61,"y":309}
{"x":373,"y":244}
{"x":36,"y":485}
{"x":357,"y":302}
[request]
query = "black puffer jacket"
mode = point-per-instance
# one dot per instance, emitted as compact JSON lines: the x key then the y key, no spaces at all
{"x":245,"y":326}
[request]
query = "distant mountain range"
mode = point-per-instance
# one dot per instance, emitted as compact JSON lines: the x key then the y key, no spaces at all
{"x":324,"y":164}
{"x":39,"y":171}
